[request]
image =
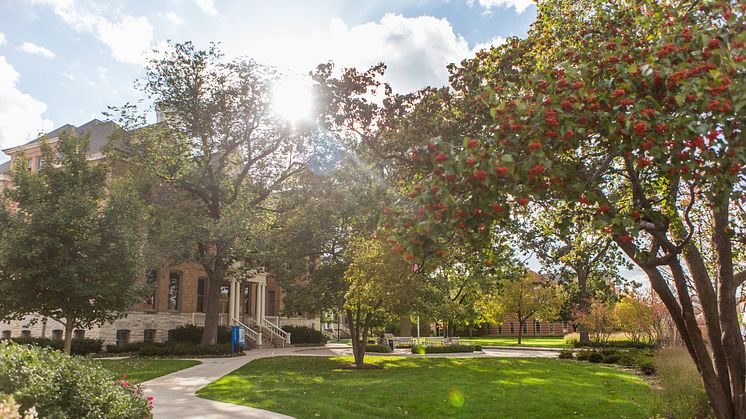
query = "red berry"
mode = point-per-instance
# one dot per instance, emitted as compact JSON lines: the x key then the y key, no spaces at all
{"x":440,"y":157}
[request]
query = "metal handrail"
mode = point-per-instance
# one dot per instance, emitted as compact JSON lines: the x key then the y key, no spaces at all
{"x":277,"y":331}
{"x":251,"y":333}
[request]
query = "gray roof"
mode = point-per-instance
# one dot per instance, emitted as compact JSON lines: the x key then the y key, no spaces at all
{"x":5,"y":167}
{"x":99,"y":131}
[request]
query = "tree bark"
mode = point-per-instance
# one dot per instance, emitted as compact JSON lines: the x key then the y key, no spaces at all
{"x":405,"y":326}
{"x":520,"y":331}
{"x":215,"y":277}
{"x":583,"y":303}
{"x":69,"y":325}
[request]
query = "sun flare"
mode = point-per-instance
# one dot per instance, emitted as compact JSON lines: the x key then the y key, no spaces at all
{"x":291,"y":98}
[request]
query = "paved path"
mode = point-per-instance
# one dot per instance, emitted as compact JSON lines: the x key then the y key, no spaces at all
{"x":174,"y":394}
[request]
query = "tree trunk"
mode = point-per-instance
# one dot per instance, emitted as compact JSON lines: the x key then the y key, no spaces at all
{"x":405,"y":326}
{"x":520,"y":331}
{"x":359,"y":339}
{"x":215,"y":277}
{"x":583,"y":303}
{"x":69,"y":325}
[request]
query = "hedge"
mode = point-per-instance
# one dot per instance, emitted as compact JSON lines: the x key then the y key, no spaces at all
{"x":637,"y":358}
{"x":190,"y":333}
{"x":83,"y":346}
{"x":384,"y":349}
{"x":445,"y":349}
{"x":60,"y":386}
{"x":304,"y":334}
{"x":172,"y":349}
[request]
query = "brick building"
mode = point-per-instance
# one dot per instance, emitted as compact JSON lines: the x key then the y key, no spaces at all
{"x":178,"y":298}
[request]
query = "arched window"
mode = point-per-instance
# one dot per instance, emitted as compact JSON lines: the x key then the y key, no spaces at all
{"x":512,"y":328}
{"x":152,"y":282}
{"x":537,"y":327}
{"x":174,"y":285}
{"x":525,"y":328}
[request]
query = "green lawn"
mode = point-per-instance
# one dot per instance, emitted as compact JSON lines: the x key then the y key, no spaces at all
{"x":310,"y":387}
{"x":545,"y":341}
{"x":138,"y":370}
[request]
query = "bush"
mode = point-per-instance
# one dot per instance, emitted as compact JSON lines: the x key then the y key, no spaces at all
{"x":445,"y":349}
{"x":566,"y":354}
{"x":83,"y":346}
{"x":619,"y":344}
{"x":171,"y":349}
{"x":682,"y":394}
{"x":60,"y":386}
{"x":304,"y":334}
{"x":611,"y":359}
{"x":190,"y":333}
{"x":384,"y":349}
{"x":583,"y":355}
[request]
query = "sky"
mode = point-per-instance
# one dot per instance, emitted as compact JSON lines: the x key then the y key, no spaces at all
{"x":65,"y":61}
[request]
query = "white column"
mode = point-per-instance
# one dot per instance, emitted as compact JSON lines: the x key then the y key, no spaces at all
{"x":237,"y":304}
{"x":256,"y":302}
{"x":262,"y":302}
{"x":231,"y":301}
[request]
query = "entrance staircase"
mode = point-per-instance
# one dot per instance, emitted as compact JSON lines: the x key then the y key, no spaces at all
{"x":264,"y":334}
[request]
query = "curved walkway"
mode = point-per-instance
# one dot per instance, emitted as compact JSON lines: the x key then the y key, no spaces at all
{"x":174,"y":394}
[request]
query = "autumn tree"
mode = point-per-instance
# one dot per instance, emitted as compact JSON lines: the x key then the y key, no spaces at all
{"x":599,"y":319}
{"x":630,"y":113}
{"x":71,"y":244}
{"x":379,"y":280}
{"x":219,"y":150}
{"x":528,"y":296}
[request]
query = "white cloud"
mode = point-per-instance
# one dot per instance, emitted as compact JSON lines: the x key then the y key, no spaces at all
{"x":207,"y":6}
{"x":175,"y":19}
{"x":128,"y":38}
{"x":520,"y":6}
{"x":21,"y":116}
{"x":31,"y":48}
{"x":2,"y":38}
{"x":494,"y":42}
{"x":415,"y":50}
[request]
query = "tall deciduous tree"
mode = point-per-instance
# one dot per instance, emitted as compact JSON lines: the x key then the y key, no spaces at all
{"x":631,"y":113}
{"x":71,"y":247}
{"x":379,"y":280}
{"x":219,"y":149}
{"x":528,"y":296}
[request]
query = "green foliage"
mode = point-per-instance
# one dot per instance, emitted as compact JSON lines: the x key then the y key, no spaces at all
{"x":378,"y":348}
{"x":681,"y":393}
{"x":304,"y":334}
{"x":60,"y":386}
{"x":566,"y":354}
{"x":71,"y":238}
{"x":83,"y":346}
{"x":175,"y":349}
{"x":444,"y":349}
{"x":190,"y":333}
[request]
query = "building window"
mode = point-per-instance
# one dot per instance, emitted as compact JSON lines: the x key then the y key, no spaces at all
{"x":551,"y":327}
{"x":524,"y":328}
{"x":270,"y":303}
{"x":174,"y":282}
{"x":57,"y":334}
{"x":512,"y":328}
{"x":149,"y":335}
{"x":151,"y":281}
{"x":38,"y":162}
{"x":247,"y":299}
{"x":79,"y":334}
{"x":25,"y":333}
{"x":201,"y":294}
{"x":123,"y":337}
{"x":499,"y":330}
{"x":6,"y":334}
{"x":30,"y":164}
{"x":537,"y":327}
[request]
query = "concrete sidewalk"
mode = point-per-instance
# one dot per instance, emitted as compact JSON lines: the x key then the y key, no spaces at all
{"x":174,"y":394}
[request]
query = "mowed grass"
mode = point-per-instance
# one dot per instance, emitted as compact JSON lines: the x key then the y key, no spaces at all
{"x":542,"y":341}
{"x":138,"y":370}
{"x":311,"y":387}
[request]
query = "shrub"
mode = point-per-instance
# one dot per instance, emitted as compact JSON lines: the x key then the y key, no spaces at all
{"x":60,"y":386}
{"x":378,"y":348}
{"x":304,"y":334}
{"x":171,"y":349}
{"x":126,"y":348}
{"x":620,"y":344}
{"x":9,"y":409}
{"x":682,"y":394}
{"x":611,"y":358}
{"x":566,"y":354}
{"x":421,"y":349}
{"x":595,"y":357}
{"x":190,"y":333}
{"x":83,"y":346}
{"x":583,"y":355}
